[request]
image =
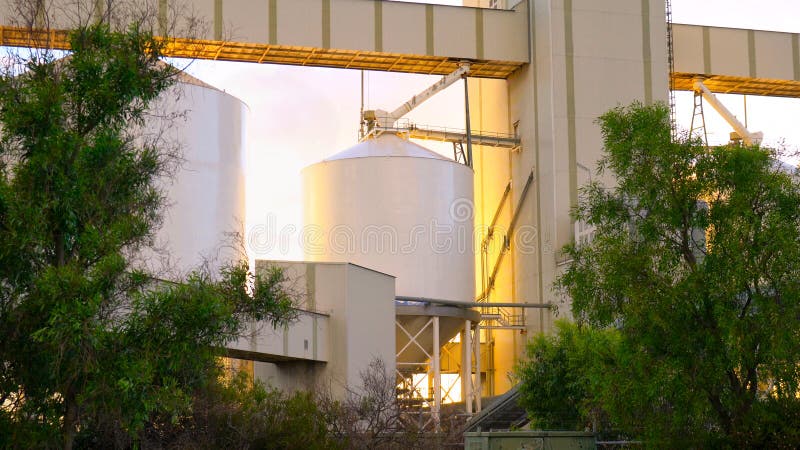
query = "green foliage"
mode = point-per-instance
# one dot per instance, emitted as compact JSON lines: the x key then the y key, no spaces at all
{"x":560,"y":375}
{"x":85,"y":338}
{"x":696,"y":261}
{"x":241,"y":414}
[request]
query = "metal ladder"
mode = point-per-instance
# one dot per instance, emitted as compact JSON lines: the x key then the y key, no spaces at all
{"x":697,"y":113}
{"x":671,"y":60}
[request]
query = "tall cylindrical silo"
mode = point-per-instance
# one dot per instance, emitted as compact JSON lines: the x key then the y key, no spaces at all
{"x":205,"y":200}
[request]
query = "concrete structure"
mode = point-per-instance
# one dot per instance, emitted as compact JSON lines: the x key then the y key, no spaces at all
{"x":325,"y":349}
{"x":542,"y":71}
{"x":587,"y":59}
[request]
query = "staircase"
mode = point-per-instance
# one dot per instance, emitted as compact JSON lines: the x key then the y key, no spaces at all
{"x":503,"y":413}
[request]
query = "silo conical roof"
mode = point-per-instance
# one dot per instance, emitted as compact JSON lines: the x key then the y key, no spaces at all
{"x":386,"y":145}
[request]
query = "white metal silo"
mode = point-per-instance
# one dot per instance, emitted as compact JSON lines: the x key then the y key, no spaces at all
{"x":391,"y":205}
{"x":205,"y":200}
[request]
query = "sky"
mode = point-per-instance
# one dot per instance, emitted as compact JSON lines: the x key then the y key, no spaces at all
{"x":300,"y":115}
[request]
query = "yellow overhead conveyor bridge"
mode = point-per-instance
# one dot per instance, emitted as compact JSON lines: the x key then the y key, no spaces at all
{"x":417,"y":38}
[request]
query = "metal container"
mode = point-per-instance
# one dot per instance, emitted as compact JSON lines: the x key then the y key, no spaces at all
{"x":396,"y":207}
{"x":544,"y":440}
{"x":205,"y":200}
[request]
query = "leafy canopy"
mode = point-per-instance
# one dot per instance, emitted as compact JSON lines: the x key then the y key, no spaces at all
{"x":87,"y":339}
{"x":696,"y":261}
{"x":560,"y":373}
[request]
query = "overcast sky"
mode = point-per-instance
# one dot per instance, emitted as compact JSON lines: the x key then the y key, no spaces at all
{"x":298,"y":115}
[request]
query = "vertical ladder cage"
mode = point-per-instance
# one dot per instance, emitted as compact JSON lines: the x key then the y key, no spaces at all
{"x":671,"y":61}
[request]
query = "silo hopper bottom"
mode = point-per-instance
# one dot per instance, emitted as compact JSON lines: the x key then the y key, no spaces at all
{"x":414,"y":336}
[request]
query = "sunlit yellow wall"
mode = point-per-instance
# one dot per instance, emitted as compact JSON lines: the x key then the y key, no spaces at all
{"x":586,"y":59}
{"x":489,"y":112}
{"x":232,"y":367}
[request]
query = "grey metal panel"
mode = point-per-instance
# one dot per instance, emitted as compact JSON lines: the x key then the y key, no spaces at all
{"x":253,"y":30}
{"x":737,"y":60}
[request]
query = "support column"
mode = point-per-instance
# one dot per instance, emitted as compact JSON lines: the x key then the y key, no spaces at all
{"x":466,"y":369}
{"x":437,"y":375}
{"x":462,"y":372}
{"x":477,"y":385}
{"x":469,"y":124}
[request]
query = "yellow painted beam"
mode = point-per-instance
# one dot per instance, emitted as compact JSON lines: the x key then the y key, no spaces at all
{"x":737,"y":61}
{"x":281,"y":54}
{"x":722,"y":84}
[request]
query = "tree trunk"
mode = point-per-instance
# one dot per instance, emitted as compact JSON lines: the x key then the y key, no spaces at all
{"x":60,"y":249}
{"x":70,"y":420}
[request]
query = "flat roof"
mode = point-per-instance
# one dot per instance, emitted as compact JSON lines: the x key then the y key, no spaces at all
{"x":331,"y":263}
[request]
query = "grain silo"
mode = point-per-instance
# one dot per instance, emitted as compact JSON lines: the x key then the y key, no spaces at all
{"x":205,"y":200}
{"x":393,"y":206}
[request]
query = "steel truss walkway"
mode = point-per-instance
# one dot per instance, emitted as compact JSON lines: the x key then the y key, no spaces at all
{"x":455,"y":136}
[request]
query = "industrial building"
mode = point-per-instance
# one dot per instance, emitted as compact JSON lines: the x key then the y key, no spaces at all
{"x":442,"y":267}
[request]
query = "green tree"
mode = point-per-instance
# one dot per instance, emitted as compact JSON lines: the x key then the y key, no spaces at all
{"x":85,"y":338}
{"x":240,"y":413}
{"x":561,"y":373}
{"x":696,"y":261}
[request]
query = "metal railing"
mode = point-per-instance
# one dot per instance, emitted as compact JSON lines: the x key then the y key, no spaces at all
{"x":494,"y":317}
